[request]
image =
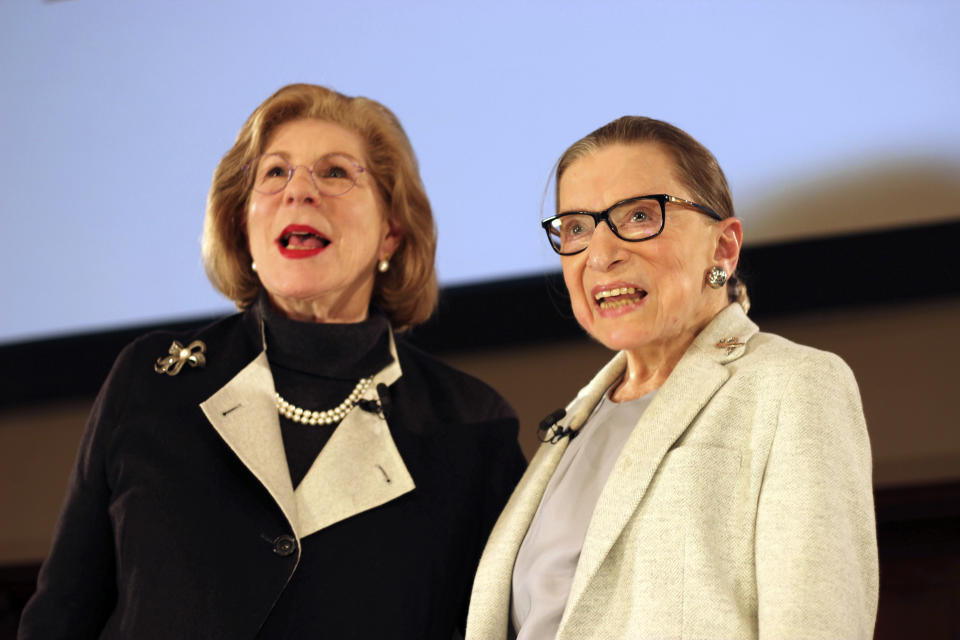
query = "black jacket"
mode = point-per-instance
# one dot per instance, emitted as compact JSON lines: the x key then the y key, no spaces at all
{"x":168,"y":531}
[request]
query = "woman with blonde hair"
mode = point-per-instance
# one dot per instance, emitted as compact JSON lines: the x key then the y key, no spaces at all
{"x":712,"y":481}
{"x":297,"y":469}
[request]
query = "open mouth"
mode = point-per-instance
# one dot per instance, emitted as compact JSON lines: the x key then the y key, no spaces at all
{"x":301,"y":241}
{"x":618,"y":297}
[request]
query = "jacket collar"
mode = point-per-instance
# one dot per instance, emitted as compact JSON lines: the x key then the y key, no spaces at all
{"x":721,"y":341}
{"x":360,"y":461}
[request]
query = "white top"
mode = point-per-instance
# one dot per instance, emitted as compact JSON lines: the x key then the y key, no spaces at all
{"x":548,"y":557}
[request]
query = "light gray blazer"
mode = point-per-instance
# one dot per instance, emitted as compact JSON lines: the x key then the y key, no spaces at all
{"x":741,"y":506}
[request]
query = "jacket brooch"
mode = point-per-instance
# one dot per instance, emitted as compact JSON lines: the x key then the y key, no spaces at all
{"x":730,"y":344}
{"x":171,"y":364}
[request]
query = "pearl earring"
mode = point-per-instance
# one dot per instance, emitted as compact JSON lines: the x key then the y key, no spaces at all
{"x":716,"y":277}
{"x":383,"y":265}
{"x":253,"y":265}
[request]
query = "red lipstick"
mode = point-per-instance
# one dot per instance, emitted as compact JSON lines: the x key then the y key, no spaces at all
{"x":301,"y":241}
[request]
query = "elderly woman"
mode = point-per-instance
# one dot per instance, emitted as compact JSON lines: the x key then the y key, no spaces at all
{"x":295,"y":470}
{"x":711,"y":481}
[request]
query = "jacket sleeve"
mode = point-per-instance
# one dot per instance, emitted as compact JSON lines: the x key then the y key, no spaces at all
{"x":76,"y":588}
{"x":816,"y":550}
{"x":506,"y":466}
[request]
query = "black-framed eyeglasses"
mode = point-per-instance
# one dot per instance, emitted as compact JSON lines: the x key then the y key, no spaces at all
{"x":333,"y":174}
{"x":634,"y":220}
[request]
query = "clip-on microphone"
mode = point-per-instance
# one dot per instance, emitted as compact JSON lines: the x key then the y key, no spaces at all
{"x":382,"y":406}
{"x":552,"y":432}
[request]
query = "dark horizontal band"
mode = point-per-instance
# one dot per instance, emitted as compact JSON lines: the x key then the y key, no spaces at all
{"x":889,"y":266}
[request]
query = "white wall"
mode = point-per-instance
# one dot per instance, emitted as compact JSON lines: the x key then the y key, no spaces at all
{"x":113,"y":115}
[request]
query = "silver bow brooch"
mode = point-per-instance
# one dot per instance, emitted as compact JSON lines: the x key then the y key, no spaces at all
{"x":192,"y":353}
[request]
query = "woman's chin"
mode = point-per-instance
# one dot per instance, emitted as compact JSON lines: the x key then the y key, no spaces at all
{"x":626,"y":342}
{"x":623,"y":329}
{"x":620,"y":338}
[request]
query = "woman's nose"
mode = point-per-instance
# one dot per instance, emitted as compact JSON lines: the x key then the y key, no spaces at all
{"x":605,"y":249}
{"x":300,"y":188}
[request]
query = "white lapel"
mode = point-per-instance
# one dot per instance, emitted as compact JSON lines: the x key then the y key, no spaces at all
{"x":696,"y":378}
{"x":359,"y":468}
{"x":244,"y":414}
{"x":488,"y":617}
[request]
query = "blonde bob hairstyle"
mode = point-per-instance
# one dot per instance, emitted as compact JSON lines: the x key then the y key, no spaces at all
{"x":697,"y":169}
{"x":407,"y":292}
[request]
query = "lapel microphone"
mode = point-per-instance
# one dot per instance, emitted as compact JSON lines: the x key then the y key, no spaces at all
{"x":386,"y":404}
{"x":382,"y":406}
{"x":552,"y":432}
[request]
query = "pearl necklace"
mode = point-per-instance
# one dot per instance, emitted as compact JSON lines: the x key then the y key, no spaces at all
{"x":305,"y":416}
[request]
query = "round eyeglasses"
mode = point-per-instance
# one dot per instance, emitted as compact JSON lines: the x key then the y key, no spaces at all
{"x":334,"y":174}
{"x":634,"y":220}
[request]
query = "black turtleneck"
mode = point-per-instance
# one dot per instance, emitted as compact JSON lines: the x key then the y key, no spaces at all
{"x":316,"y":366}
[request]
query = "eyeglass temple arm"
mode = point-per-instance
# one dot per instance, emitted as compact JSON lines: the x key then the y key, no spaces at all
{"x":699,"y":207}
